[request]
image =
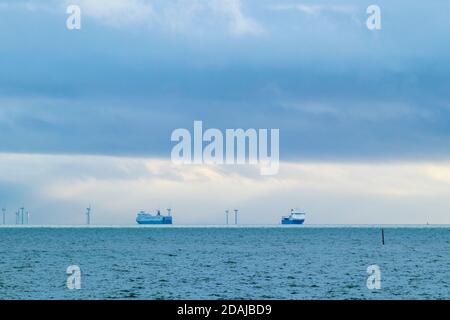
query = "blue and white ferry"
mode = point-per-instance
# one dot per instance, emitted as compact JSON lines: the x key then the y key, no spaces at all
{"x":295,"y":217}
{"x":157,"y":218}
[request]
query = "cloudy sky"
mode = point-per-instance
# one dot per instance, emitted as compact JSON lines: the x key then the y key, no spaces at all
{"x":364,"y":116}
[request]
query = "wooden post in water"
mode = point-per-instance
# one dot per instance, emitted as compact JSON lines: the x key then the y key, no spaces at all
{"x":382,"y":236}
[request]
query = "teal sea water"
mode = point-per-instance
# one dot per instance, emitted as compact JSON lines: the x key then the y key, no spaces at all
{"x":296,"y":262}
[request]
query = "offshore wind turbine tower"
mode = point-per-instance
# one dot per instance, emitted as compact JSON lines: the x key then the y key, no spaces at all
{"x":88,"y":215}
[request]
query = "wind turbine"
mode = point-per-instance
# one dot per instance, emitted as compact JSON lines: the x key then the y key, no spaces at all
{"x":21,"y":213}
{"x":235,"y":215}
{"x":226,"y":215}
{"x":88,"y":215}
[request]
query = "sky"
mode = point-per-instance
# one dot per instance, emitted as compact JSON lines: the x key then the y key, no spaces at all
{"x":364,"y":115}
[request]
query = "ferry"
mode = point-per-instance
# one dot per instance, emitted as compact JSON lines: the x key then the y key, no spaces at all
{"x":157,"y":218}
{"x":295,"y":217}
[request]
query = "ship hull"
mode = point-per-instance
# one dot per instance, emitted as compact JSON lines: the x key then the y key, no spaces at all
{"x":154,"y":222}
{"x":151,"y":219}
{"x":292,"y":221}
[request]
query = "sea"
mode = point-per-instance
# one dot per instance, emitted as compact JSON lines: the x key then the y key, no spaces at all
{"x":232,"y":262}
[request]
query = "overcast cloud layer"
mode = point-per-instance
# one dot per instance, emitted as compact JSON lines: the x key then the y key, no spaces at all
{"x":139,"y":69}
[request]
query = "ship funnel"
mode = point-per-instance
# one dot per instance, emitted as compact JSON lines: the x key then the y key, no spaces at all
{"x":169,"y":210}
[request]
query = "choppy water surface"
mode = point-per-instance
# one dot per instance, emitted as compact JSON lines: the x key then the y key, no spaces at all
{"x":224,"y":263}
